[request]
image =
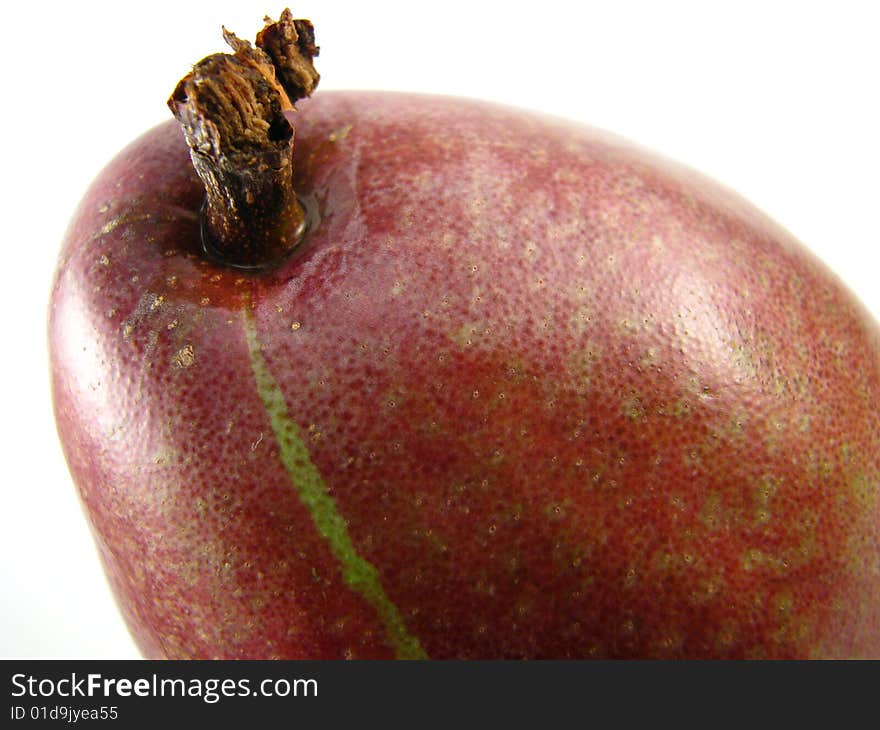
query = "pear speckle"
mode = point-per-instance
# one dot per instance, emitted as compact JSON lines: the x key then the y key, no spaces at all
{"x":185,"y":357}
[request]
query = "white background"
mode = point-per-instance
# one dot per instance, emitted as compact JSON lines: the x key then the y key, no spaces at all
{"x":778,"y":100}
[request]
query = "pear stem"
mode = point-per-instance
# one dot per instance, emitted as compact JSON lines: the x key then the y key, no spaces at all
{"x":232,"y":111}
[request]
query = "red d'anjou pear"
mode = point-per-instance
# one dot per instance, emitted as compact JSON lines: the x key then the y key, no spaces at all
{"x":426,"y":377}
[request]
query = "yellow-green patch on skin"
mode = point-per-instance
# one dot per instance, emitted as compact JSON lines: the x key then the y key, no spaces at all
{"x":763,"y":494}
{"x":582,"y":319}
{"x":744,"y":359}
{"x":712,"y":513}
{"x":682,"y":407}
{"x":358,"y":573}
{"x":397,"y":288}
{"x":466,"y":335}
{"x":650,"y":358}
{"x":636,"y":323}
{"x":754,"y":558}
{"x":634,"y":408}
{"x":582,"y":364}
{"x":707,"y":590}
{"x":783,"y":602}
{"x":865,"y":493}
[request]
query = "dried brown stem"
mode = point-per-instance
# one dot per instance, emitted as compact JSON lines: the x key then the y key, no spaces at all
{"x":231,"y":108}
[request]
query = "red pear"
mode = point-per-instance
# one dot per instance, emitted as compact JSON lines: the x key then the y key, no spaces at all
{"x":457,"y":381}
